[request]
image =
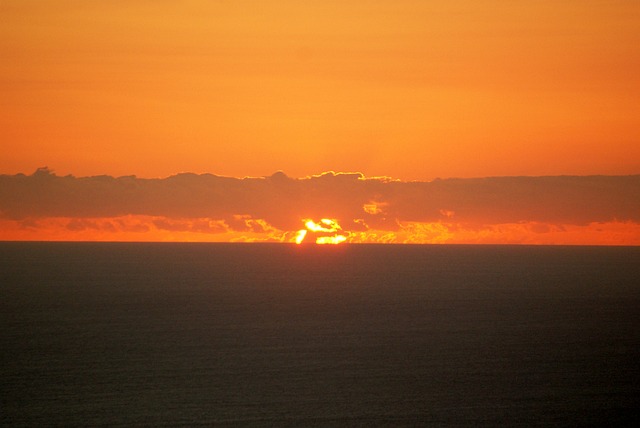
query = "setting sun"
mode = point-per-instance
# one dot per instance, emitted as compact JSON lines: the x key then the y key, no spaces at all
{"x":398,"y":121}
{"x":327,"y":231}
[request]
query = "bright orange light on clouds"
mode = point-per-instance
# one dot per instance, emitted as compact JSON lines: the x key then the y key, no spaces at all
{"x":137,"y":228}
{"x":300,"y":236}
{"x":327,"y":231}
{"x":336,"y":239}
{"x":155,"y":229}
{"x":598,"y":210}
{"x":373,"y":208}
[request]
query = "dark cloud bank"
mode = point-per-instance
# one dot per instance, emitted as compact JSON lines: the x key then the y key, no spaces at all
{"x":283,"y":201}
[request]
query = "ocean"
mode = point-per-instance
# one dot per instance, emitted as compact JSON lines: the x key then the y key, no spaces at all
{"x":185,"y":334}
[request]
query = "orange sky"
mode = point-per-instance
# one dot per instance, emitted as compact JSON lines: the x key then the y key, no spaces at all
{"x":408,"y":89}
{"x":412,"y":89}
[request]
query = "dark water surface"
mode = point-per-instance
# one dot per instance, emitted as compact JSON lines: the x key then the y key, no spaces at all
{"x":118,"y":334}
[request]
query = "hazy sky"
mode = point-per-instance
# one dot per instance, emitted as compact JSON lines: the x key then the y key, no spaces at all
{"x":412,"y":89}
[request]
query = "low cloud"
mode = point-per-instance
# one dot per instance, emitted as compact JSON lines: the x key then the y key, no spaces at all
{"x":213,"y":204}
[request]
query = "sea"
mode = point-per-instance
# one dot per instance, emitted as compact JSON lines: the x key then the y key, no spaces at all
{"x":197,"y":334}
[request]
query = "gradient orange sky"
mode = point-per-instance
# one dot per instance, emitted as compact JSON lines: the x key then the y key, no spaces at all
{"x":409,"y":89}
{"x":412,"y":89}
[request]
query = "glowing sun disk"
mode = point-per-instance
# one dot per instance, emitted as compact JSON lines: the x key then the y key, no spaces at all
{"x":325,"y":225}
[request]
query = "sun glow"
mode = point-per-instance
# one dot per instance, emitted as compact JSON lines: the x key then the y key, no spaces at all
{"x":373,"y":208}
{"x":300,"y":236}
{"x":330,"y":239}
{"x":328,"y":231}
